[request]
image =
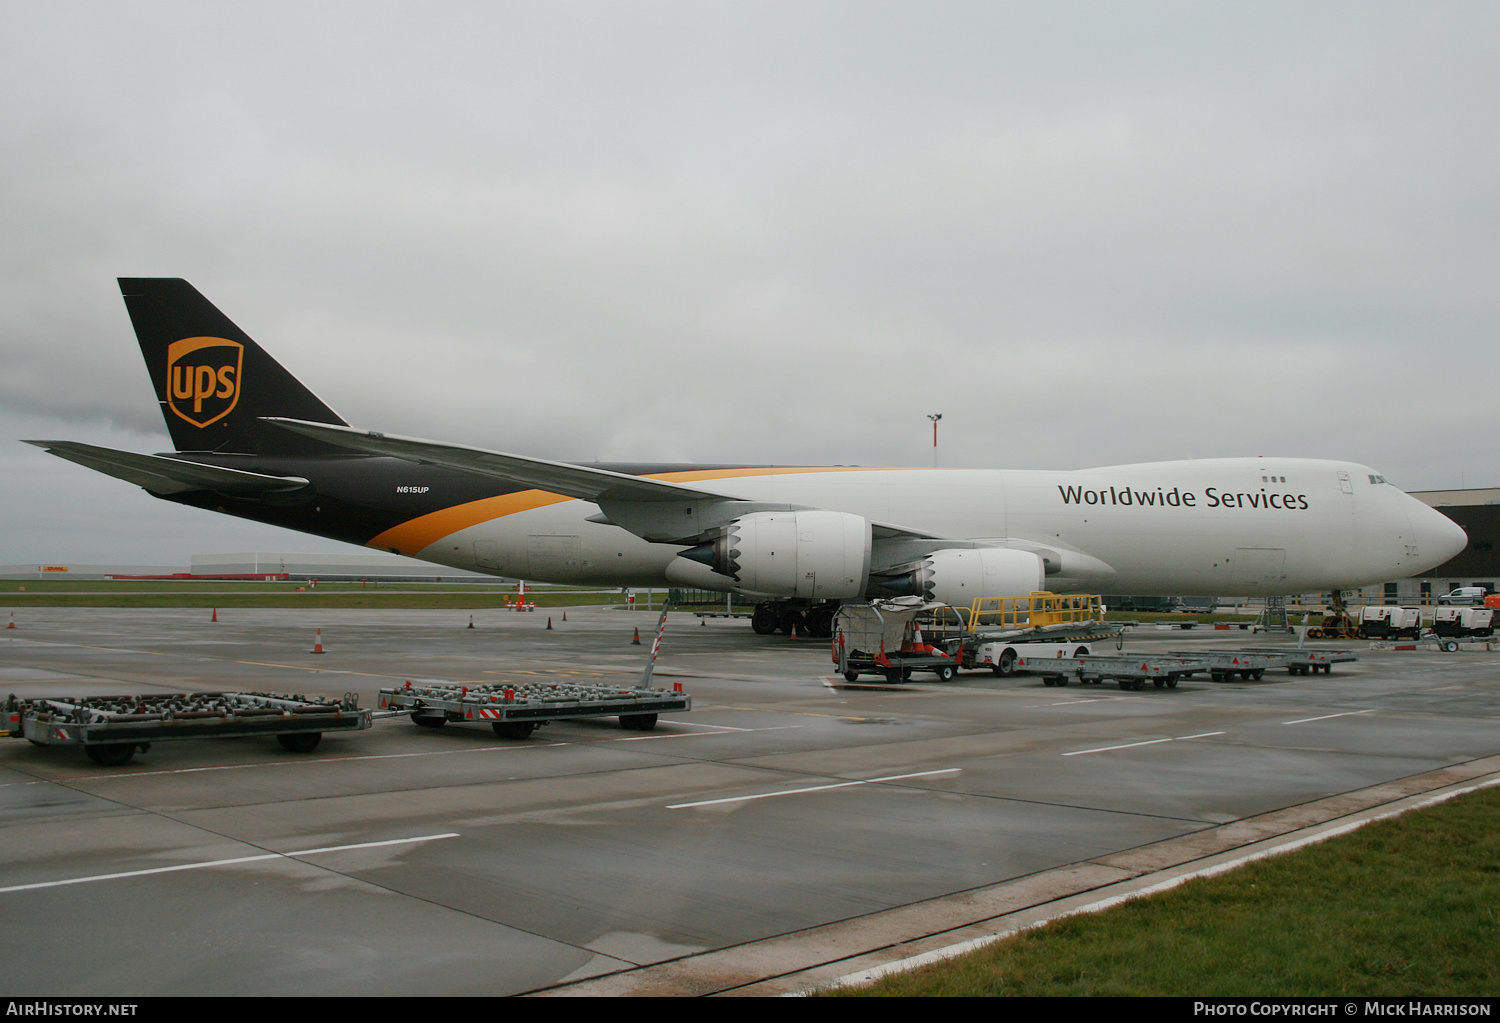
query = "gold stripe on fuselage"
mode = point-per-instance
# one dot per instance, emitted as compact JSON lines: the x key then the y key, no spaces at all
{"x":415,"y":535}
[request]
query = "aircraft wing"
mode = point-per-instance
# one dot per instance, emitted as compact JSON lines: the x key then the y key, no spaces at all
{"x":167,"y":475}
{"x":582,"y":482}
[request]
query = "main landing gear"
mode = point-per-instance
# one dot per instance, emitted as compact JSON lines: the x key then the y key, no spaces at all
{"x":809,"y":618}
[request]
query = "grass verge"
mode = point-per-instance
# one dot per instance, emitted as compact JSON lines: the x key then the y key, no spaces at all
{"x":1406,"y":906}
{"x":136,"y":593}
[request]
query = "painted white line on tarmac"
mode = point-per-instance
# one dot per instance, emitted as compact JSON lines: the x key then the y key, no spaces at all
{"x":1148,"y":742}
{"x":221,"y":863}
{"x":812,"y":788}
{"x":1326,"y":717}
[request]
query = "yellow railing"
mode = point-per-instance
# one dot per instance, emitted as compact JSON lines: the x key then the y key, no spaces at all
{"x":1037,"y":609}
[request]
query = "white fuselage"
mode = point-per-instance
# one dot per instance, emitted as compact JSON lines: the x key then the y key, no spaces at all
{"x":1219,"y":526}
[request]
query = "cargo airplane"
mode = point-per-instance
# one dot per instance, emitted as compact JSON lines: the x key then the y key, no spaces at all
{"x":252,"y":441}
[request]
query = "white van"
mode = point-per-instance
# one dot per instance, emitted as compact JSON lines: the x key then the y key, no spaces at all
{"x":1464,"y":595}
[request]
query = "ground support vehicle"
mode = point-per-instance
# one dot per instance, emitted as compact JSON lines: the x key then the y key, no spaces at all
{"x":1462,"y":622}
{"x":1002,"y":650}
{"x":515,"y":711}
{"x":901,"y":635}
{"x":1335,"y":624}
{"x":1471,"y":595}
{"x":1224,"y":665}
{"x":885,"y":638}
{"x":1388,"y":621}
{"x":1303,"y":661}
{"x":1129,"y":672}
{"x":1037,"y":626}
{"x":111,"y":729}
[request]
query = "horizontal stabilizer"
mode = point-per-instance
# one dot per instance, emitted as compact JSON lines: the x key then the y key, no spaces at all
{"x":582,"y":482}
{"x":162,"y":475}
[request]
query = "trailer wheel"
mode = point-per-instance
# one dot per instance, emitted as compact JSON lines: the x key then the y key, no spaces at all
{"x":945,"y":672}
{"x":1006,"y":666}
{"x":851,"y":676}
{"x":300,"y":742}
{"x":1449,"y":645}
{"x":639,"y":722}
{"x":428,"y":721}
{"x":115,"y":754}
{"x":1172,"y":682}
{"x":515,"y":729}
{"x":1160,"y":683}
{"x":1258,"y":674}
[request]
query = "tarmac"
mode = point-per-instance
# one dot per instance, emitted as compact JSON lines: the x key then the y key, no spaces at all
{"x":788,"y":832}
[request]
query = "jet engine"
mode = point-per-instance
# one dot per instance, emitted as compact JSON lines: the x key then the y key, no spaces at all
{"x":959,"y":576}
{"x":813,"y":553}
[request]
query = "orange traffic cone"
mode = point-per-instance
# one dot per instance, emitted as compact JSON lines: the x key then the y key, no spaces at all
{"x":549,"y":621}
{"x":637,"y":640}
{"x":318,"y":646}
{"x":216,"y":615}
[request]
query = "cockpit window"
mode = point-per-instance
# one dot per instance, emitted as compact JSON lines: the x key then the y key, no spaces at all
{"x":1378,"y":479}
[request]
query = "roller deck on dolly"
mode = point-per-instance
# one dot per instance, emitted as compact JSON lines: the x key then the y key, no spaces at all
{"x":111,"y":729}
{"x":1306,"y":660}
{"x":1129,"y":672}
{"x":515,"y":711}
{"x":1224,"y":665}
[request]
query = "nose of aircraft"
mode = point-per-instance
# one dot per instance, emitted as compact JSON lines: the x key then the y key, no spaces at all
{"x":1438,"y":537}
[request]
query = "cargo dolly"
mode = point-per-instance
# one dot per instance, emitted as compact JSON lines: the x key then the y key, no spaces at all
{"x":514,"y":711}
{"x":1224,"y":665}
{"x":1305,"y":660}
{"x":111,"y":729}
{"x":1130,"y":672}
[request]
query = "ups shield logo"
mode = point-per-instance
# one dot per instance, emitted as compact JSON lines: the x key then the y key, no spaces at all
{"x":203,"y":378}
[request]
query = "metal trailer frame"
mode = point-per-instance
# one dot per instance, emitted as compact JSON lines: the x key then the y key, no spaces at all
{"x":1304,"y":660}
{"x":869,"y":639}
{"x":1130,"y":673}
{"x":515,"y":711}
{"x":111,"y":729}
{"x":1223,"y":665}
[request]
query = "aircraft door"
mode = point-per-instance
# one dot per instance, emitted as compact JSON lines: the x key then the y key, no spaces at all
{"x":553,"y":556}
{"x":1258,"y":570}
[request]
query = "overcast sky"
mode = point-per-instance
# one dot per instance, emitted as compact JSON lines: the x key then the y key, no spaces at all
{"x":1088,"y":233}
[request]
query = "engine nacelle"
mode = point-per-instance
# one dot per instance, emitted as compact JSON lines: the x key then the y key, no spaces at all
{"x":821,"y":555}
{"x":959,"y":576}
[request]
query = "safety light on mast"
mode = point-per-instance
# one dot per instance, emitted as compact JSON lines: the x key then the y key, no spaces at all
{"x":934,"y":416}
